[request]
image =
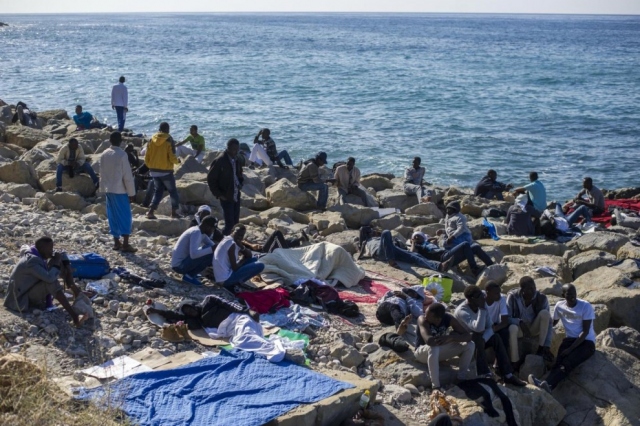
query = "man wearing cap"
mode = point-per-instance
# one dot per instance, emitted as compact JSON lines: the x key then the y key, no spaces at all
{"x":309,"y":179}
{"x":193,"y":251}
{"x":427,"y":248}
{"x":205,"y":211}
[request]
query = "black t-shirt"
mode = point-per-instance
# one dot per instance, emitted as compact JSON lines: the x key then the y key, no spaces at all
{"x":436,"y":330}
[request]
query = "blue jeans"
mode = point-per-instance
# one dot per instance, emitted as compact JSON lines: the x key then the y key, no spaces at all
{"x":284,"y":155}
{"x":323,"y":192}
{"x":148,"y":196}
{"x":582,"y":211}
{"x":247,"y":271}
{"x":464,"y":238}
{"x":167,"y":182}
{"x":231,"y":213}
{"x":86,"y":167}
{"x":194,"y":266}
{"x":389,"y":251}
{"x":122,"y":116}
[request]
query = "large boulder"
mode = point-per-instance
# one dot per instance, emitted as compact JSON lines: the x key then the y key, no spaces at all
{"x":510,"y":247}
{"x":473,"y":206}
{"x":189,"y":165}
{"x":348,"y":355}
{"x":604,"y":390}
{"x":625,"y":338}
{"x":196,"y":193}
{"x":68,"y":200}
{"x":612,"y":287}
{"x":35,"y":156}
{"x":476,"y":226}
{"x":496,"y":273}
{"x":54,"y":114}
{"x":530,"y":265}
{"x":283,"y":193}
{"x":281,"y":212}
{"x":629,"y":251}
{"x":7,"y":152}
{"x":390,"y":198}
{"x":377,"y":182}
{"x":82,"y":184}
{"x":328,"y":222}
{"x":162,"y":226}
{"x":25,"y":137}
{"x":20,"y":190}
{"x":603,"y":241}
{"x":388,"y":222}
{"x":19,"y":172}
{"x":252,"y":198}
{"x":348,"y":240}
{"x":425,"y":209}
{"x":588,"y":261}
{"x":252,"y":178}
{"x":355,"y":216}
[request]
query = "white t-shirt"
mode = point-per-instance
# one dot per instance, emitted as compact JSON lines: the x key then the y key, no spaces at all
{"x":498,"y":309}
{"x":191,"y":244}
{"x":572,"y":318}
{"x":221,"y":265}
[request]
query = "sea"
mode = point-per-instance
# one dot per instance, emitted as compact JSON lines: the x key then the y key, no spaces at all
{"x":558,"y":94}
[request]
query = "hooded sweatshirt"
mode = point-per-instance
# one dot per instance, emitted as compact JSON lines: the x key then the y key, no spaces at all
{"x":160,"y":155}
{"x":455,"y":225}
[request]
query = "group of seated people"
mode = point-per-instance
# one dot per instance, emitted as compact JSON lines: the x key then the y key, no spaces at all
{"x":488,"y":319}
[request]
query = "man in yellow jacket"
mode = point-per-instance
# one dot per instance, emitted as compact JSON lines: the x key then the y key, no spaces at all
{"x":160,"y":159}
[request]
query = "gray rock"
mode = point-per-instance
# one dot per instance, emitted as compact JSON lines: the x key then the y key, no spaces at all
{"x":370,"y":348}
{"x":604,"y":241}
{"x":533,"y":364}
{"x":397,"y":393}
{"x":51,"y":329}
{"x":411,"y":388}
{"x":347,"y":355}
{"x":116,"y":351}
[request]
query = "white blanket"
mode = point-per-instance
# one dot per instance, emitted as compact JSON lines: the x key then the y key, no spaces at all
{"x":324,"y":261}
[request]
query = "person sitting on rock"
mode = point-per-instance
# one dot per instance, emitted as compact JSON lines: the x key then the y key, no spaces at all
{"x":85,"y":121}
{"x":228,"y":268}
{"x":382,"y":248}
{"x":197,"y":145}
{"x":537,"y":198}
{"x":414,"y":183}
{"x":588,"y":203}
{"x":498,"y":311}
{"x":309,"y":179}
{"x":265,"y":151}
{"x":474,"y":316}
{"x":626,"y":220}
{"x":398,"y":307}
{"x":427,"y":247}
{"x":529,"y":316}
{"x":577,"y":317}
{"x":25,"y":116}
{"x":71,"y":159}
{"x":519,"y":219}
{"x":456,"y":230}
{"x":34,"y":280}
{"x":442,"y":337}
{"x":193,"y":251}
{"x":348,"y":182}
{"x":132,"y":156}
{"x":490,"y":188}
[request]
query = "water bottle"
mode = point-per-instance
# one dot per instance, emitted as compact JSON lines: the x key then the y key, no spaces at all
{"x":364,"y":399}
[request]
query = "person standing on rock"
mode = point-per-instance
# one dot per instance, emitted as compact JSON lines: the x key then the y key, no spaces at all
{"x":474,"y":316}
{"x":120,"y":102}
{"x":120,"y":190}
{"x":225,"y":182}
{"x":577,"y":317}
{"x":529,"y":316}
{"x":414,"y":183}
{"x":348,"y":182}
{"x":71,"y":159}
{"x":160,"y":159}
{"x":309,"y":179}
{"x":442,"y":337}
{"x":34,"y":280}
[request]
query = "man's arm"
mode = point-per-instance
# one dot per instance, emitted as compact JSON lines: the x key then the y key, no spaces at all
{"x":36,"y":269}
{"x":479,"y":324}
{"x":113,"y":97}
{"x":195,"y":251}
{"x":459,"y":228}
{"x":425,"y":332}
{"x":461,"y":333}
{"x":127,"y":177}
{"x":213,"y":177}
{"x":586,"y":327}
{"x":80,"y":157}
{"x":504,"y":323}
{"x":62,"y":155}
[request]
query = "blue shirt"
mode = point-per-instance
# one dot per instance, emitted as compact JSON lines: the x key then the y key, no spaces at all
{"x":83,"y":120}
{"x":537,"y":195}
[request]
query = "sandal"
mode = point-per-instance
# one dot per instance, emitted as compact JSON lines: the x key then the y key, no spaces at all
{"x":116,"y":247}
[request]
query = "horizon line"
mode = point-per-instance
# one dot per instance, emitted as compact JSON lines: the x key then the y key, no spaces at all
{"x":323,"y":12}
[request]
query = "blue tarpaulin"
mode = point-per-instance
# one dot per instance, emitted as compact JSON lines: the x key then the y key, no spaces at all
{"x":233,"y":388}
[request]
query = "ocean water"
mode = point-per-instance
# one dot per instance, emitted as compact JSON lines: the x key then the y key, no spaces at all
{"x":556,"y":94}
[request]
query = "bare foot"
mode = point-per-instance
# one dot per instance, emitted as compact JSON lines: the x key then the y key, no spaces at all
{"x":445,"y":266}
{"x":80,"y":320}
{"x":402,"y":328}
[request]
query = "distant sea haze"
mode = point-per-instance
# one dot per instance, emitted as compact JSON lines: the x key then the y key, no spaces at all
{"x":555,"y":94}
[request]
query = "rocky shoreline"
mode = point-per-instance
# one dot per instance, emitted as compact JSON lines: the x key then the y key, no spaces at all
{"x":76,"y":219}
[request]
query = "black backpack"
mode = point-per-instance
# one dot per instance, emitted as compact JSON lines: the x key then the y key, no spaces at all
{"x":548,"y":229}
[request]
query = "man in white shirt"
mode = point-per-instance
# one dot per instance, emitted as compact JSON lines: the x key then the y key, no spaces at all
{"x":120,"y":189}
{"x":193,"y":251}
{"x":120,"y":102}
{"x":577,"y":317}
{"x":228,"y":268}
{"x":348,"y":182}
{"x":498,"y":312}
{"x":474,"y":316}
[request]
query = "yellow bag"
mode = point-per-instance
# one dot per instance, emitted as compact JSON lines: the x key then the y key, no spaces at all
{"x":439,"y":286}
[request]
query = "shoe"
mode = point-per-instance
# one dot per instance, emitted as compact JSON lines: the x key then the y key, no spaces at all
{"x":170,"y":334}
{"x":515,"y":381}
{"x":539,"y":383}
{"x":58,"y":189}
{"x":191,"y":280}
{"x":183,"y":331}
{"x":128,"y":249}
{"x":305,"y":237}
